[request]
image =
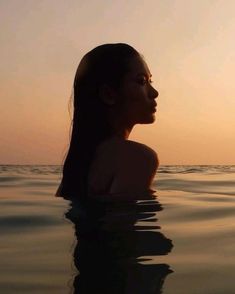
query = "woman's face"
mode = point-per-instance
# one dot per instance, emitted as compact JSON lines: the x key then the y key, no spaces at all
{"x":137,"y":95}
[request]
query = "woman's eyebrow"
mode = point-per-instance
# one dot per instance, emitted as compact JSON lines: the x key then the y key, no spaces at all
{"x":144,"y":74}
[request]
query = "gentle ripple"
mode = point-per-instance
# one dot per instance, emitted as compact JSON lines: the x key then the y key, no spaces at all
{"x":196,"y":211}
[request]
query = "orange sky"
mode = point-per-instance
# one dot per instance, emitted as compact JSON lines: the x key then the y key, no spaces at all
{"x":188,"y":45}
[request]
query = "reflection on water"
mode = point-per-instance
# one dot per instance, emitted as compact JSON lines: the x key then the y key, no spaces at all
{"x":115,"y":245}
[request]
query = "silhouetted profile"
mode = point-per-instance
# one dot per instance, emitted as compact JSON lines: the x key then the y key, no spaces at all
{"x":108,"y":177}
{"x":112,"y":93}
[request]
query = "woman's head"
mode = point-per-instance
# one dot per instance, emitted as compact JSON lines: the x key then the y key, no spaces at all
{"x":104,"y":84}
{"x":106,"y":81}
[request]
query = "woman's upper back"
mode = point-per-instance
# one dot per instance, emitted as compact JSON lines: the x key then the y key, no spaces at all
{"x":122,"y":166}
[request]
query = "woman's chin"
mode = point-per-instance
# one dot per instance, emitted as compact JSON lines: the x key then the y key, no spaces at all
{"x":149,"y":119}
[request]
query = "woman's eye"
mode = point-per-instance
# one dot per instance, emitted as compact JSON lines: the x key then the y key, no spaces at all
{"x":142,"y":81}
{"x":145,"y":81}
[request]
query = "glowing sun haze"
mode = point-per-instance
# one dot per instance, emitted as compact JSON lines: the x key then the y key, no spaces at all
{"x":189,"y":47}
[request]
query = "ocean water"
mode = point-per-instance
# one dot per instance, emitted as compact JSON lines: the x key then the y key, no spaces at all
{"x":181,"y":240}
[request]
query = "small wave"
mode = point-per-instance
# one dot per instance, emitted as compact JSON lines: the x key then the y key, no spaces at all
{"x":6,"y":179}
{"x":221,"y":187}
{"x":33,"y":183}
{"x":27,"y":222}
{"x":31,"y":169}
{"x":185,"y":169}
{"x":192,"y":170}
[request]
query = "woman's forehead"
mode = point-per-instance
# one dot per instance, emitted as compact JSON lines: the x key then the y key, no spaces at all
{"x":138,"y":66}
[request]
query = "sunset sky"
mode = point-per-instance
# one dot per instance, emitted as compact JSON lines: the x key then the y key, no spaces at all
{"x":189,"y":46}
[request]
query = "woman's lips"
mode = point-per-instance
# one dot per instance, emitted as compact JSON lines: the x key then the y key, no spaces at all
{"x":154,"y":109}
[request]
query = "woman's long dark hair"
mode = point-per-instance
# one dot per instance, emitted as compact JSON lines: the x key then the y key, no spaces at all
{"x":105,"y":64}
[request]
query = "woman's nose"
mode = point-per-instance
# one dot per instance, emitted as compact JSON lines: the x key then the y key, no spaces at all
{"x":153,"y":92}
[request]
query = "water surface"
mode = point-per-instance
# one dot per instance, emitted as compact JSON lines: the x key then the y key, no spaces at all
{"x":182,"y":241}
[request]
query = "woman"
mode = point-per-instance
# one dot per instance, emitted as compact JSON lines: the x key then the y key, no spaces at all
{"x":112,"y":93}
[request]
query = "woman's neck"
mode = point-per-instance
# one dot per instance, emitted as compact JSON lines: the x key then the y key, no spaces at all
{"x":122,"y":134}
{"x":120,"y":127}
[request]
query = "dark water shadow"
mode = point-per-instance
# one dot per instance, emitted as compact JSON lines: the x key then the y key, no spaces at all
{"x":112,"y":239}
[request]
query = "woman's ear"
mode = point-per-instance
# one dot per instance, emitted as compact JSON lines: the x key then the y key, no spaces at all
{"x":107,"y":94}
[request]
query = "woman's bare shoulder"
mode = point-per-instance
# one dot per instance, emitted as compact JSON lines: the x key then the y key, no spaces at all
{"x":138,"y":149}
{"x":127,"y":149}
{"x":122,"y":165}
